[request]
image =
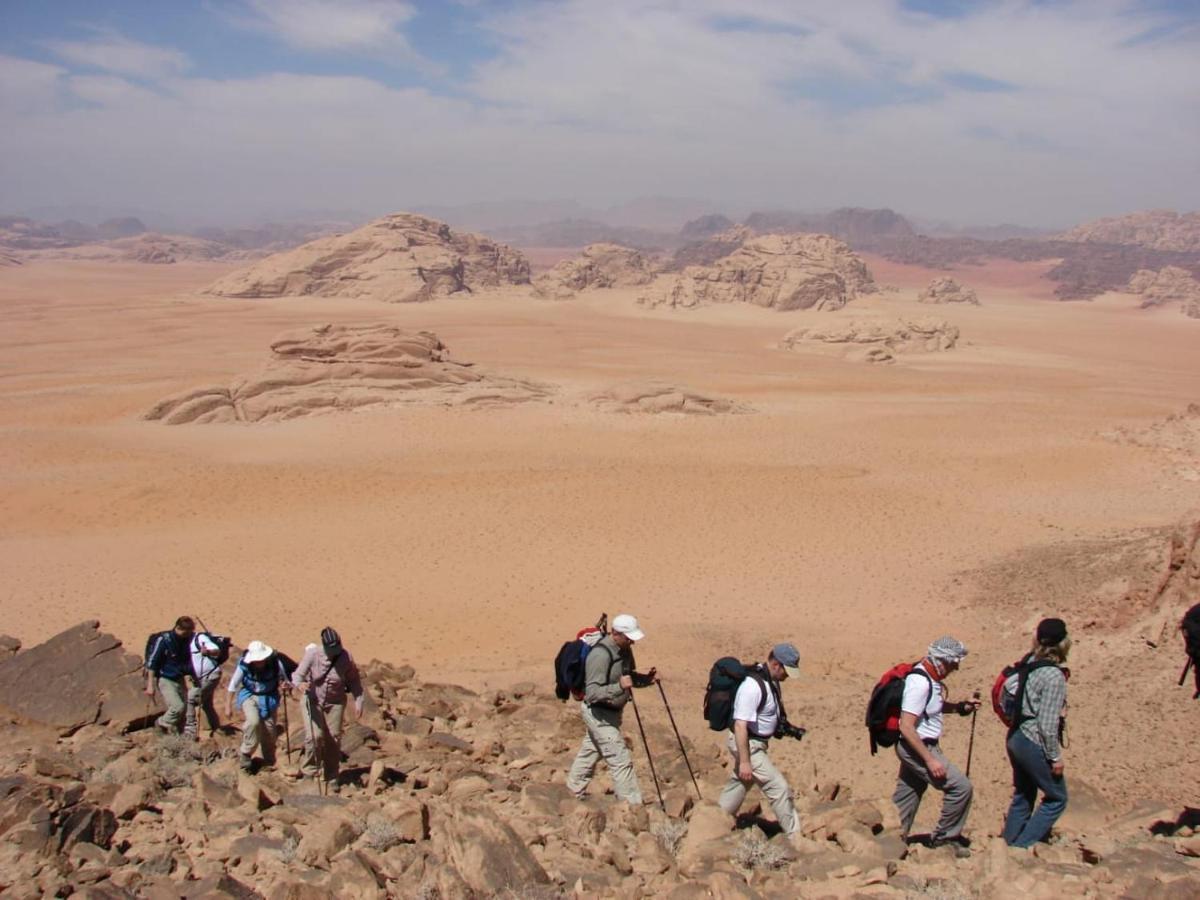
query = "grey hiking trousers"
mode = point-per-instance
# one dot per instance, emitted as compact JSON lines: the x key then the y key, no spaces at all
{"x":912,"y":781}
{"x":604,"y":741}
{"x":767,"y":777}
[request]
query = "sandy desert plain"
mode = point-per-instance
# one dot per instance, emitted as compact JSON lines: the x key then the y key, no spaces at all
{"x":859,"y":511}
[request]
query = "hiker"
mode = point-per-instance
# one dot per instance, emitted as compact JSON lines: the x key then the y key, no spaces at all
{"x":922,"y":762}
{"x":1190,"y":627}
{"x":1034,"y":748}
{"x":324,"y":677}
{"x":168,"y":663}
{"x":206,"y":676}
{"x":257,"y":682}
{"x":610,"y":676}
{"x":758,"y":716}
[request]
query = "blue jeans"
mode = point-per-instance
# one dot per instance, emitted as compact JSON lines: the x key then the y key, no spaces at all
{"x":1024,"y":827}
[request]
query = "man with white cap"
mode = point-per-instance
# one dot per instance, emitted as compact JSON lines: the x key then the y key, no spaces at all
{"x":610,"y":675}
{"x":758,"y":716}
{"x":922,"y":762}
{"x":257,"y":682}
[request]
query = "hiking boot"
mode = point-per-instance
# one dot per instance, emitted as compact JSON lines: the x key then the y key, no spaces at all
{"x":960,"y":846}
{"x":245,"y":762}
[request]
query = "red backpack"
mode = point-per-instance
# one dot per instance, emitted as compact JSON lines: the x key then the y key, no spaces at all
{"x":1008,"y":690}
{"x":883,"y":709}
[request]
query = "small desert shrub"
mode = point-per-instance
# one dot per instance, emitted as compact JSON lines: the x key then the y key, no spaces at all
{"x":287,"y":852}
{"x":754,"y":851}
{"x":381,"y":835}
{"x":669,"y":834}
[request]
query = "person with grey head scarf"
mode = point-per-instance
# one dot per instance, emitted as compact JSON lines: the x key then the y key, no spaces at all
{"x":922,"y":762}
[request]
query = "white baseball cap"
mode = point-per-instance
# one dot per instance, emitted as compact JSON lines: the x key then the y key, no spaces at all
{"x":257,"y":651}
{"x":628,"y":625}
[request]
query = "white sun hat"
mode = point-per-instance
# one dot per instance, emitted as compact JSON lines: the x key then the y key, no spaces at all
{"x":257,"y":651}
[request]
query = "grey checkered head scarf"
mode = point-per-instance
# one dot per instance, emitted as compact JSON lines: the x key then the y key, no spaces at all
{"x":947,"y":649}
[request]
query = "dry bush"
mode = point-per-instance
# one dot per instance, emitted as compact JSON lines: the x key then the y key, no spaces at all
{"x":381,"y":834}
{"x":754,"y":851}
{"x":669,"y":833}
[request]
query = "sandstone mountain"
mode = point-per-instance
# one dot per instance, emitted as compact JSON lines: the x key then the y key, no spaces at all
{"x":598,"y":266}
{"x":861,"y":228}
{"x":148,"y":247}
{"x":658,"y":397}
{"x":875,"y":340}
{"x":778,"y":271}
{"x":1168,"y":284}
{"x":398,"y":259}
{"x":344,"y":367}
{"x":947,"y":290}
{"x":1158,"y":229}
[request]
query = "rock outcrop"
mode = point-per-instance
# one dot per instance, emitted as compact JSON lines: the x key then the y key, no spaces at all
{"x":947,"y":290}
{"x":1167,"y":285}
{"x":1157,"y":229}
{"x":598,"y":266}
{"x":81,"y":677}
{"x":1176,"y":438}
{"x":660,"y":397}
{"x":345,"y":367}
{"x":875,"y":340}
{"x":778,"y":271}
{"x":400,"y":258}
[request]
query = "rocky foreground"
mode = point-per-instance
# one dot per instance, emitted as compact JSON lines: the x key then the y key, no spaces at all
{"x":456,"y":794}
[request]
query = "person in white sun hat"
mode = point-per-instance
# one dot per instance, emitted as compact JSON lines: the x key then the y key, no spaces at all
{"x":610,"y":675}
{"x":256,"y":683}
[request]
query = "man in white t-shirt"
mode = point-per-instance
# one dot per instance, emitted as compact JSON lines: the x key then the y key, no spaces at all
{"x":757,"y":717}
{"x":922,"y":762}
{"x":206,"y":673}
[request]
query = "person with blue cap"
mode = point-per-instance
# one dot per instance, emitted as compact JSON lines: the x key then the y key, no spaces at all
{"x":922,"y":762}
{"x":758,"y":716}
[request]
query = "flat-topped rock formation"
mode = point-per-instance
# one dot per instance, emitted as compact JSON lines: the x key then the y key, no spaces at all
{"x":598,"y":266}
{"x":1157,"y":229}
{"x":657,"y":397}
{"x":947,"y":290}
{"x":345,"y":367}
{"x":401,"y":258}
{"x":875,"y":340}
{"x":777,"y":271}
{"x":1167,"y":285}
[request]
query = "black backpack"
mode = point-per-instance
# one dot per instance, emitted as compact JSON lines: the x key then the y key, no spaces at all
{"x":724,"y":679}
{"x":223,"y":644}
{"x":570,"y":664}
{"x":151,"y":644}
{"x":1190,"y":626}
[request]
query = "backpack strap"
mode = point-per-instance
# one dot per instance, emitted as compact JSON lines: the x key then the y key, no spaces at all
{"x":1027,"y":667}
{"x":767,"y":683}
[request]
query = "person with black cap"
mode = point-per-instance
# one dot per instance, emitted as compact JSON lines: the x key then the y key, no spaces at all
{"x":1034,"y":748}
{"x":324,"y":677}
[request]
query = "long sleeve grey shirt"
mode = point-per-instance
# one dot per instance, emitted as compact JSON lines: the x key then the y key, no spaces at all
{"x":1045,"y":697}
{"x":606,"y":663}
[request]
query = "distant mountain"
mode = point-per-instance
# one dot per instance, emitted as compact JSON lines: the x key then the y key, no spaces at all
{"x":861,"y":228}
{"x":1156,"y":229}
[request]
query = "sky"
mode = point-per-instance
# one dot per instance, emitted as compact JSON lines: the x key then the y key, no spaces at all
{"x":1036,"y":112}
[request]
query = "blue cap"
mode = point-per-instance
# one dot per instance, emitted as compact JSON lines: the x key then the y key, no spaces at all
{"x":789,"y":657}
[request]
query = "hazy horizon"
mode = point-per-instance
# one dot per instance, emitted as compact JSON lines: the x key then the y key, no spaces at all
{"x":1038,"y":114}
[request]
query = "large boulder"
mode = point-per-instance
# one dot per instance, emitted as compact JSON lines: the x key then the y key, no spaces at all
{"x":777,"y":271}
{"x":875,"y":340}
{"x":598,"y":266}
{"x":79,"y":677}
{"x":947,"y":290}
{"x":344,"y":367}
{"x":488,"y":854}
{"x":398,"y":259}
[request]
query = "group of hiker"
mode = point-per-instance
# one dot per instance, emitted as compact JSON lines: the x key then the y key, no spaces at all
{"x":185,"y":666}
{"x":906,"y":710}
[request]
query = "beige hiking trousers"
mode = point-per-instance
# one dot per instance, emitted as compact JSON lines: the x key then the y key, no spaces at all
{"x":604,"y":740}
{"x":767,"y":777}
{"x":322,"y":738}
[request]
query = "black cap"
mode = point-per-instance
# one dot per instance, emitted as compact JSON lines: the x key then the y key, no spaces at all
{"x":330,"y":638}
{"x":1051,"y":632}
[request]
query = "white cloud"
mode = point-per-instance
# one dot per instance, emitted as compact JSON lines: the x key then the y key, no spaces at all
{"x":27,"y":86}
{"x":113,"y":52}
{"x":334,"y":24}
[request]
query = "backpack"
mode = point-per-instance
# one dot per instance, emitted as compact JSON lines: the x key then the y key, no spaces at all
{"x":724,"y":679}
{"x":570,"y":665}
{"x":1008,"y":690}
{"x":152,"y":645}
{"x":883,"y":709}
{"x":289,"y":665}
{"x":1190,"y":626}
{"x":223,"y":644}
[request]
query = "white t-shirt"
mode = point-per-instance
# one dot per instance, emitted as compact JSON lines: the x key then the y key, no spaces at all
{"x":203,"y":665}
{"x":924,"y":703}
{"x":745,"y":708}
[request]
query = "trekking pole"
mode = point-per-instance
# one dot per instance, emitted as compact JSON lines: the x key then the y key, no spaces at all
{"x":686,"y":761}
{"x":971,"y":743}
{"x":1187,"y":667}
{"x":650,"y":758}
{"x":318,"y":749}
{"x":287,"y":731}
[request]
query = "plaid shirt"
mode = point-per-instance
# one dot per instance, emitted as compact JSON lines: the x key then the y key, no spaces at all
{"x":1045,"y":697}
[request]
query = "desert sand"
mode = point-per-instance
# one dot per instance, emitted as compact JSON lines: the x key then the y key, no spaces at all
{"x":859,"y":511}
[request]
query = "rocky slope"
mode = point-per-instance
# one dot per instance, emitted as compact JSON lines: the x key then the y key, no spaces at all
{"x":875,"y":340}
{"x":340,"y":368}
{"x":783,"y":272}
{"x":400,"y":258}
{"x":1167,"y":285}
{"x":1158,"y":229}
{"x":947,"y":290}
{"x":1176,"y":438}
{"x":598,"y":266}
